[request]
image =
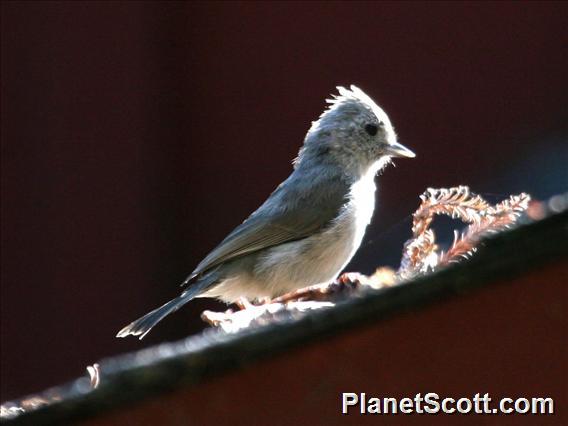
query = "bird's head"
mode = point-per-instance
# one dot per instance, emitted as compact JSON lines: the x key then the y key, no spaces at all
{"x":353,"y":131}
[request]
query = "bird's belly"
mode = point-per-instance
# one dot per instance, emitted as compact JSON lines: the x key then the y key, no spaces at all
{"x":290,"y":266}
{"x":317,"y":259}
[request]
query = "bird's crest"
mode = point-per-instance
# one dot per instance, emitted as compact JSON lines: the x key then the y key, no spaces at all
{"x":354,"y":96}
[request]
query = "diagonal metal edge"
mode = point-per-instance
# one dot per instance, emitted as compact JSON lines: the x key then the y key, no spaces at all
{"x":135,"y":376}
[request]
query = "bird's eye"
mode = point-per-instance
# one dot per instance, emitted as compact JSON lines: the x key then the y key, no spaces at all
{"x":371,"y":129}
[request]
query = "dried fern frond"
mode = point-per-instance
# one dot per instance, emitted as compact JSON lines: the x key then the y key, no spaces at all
{"x":420,"y":253}
{"x":455,"y":202}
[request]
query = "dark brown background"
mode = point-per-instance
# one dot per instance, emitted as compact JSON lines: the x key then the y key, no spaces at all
{"x":136,"y":135}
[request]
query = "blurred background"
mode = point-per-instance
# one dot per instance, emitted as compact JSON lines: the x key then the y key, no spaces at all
{"x":135,"y":136}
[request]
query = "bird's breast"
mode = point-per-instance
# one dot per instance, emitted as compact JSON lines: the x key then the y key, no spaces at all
{"x":362,"y":201}
{"x":318,"y":259}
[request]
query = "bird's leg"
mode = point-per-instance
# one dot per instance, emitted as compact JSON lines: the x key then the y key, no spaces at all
{"x":347,"y":281}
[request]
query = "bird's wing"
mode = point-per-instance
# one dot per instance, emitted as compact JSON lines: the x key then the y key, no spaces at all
{"x":272,"y":225}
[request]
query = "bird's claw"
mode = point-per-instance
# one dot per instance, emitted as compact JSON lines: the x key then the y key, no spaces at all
{"x":350,"y":279}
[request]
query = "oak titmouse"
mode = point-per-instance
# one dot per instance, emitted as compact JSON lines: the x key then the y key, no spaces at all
{"x":308,"y":229}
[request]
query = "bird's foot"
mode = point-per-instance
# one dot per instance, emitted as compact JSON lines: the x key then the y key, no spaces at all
{"x":351,"y":279}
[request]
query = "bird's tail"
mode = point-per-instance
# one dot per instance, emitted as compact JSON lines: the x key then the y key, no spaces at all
{"x":143,"y":325}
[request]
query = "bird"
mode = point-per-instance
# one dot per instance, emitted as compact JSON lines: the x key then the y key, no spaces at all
{"x":312,"y":224}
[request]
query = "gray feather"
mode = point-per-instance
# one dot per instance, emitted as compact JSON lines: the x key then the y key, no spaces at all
{"x":143,"y":325}
{"x":304,"y":204}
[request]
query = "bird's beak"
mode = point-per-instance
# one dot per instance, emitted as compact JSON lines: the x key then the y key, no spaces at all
{"x":397,"y":150}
